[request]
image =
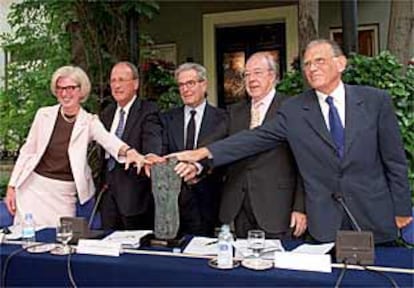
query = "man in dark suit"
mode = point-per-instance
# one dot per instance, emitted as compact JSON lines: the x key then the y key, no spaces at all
{"x":188,"y":127}
{"x":127,"y":204}
{"x":350,"y":148}
{"x":263,"y":191}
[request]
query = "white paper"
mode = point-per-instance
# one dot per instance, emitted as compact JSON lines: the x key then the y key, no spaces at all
{"x":315,"y":249}
{"x":271,"y":246}
{"x":202,"y":246}
{"x":16,"y":231}
{"x":128,"y":239}
{"x":306,"y":262}
{"x":98,"y":247}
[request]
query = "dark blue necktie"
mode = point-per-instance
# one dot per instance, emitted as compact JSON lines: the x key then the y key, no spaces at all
{"x":191,"y":127}
{"x":118,"y":132}
{"x":336,"y":128}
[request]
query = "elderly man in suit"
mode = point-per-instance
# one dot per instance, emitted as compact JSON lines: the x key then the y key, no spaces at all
{"x":347,"y":144}
{"x":188,"y":127}
{"x":127,"y":204}
{"x":263,"y":191}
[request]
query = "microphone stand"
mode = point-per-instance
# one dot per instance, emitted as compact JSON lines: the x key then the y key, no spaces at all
{"x":353,"y":247}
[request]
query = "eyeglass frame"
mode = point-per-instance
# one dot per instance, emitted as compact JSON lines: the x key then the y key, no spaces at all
{"x":318,"y":62}
{"x":256,"y":73}
{"x":68,"y":88}
{"x":189,"y":84}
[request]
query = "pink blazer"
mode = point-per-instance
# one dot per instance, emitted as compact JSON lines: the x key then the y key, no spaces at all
{"x":87,"y":128}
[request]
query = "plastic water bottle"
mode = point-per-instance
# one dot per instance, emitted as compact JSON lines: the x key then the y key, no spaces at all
{"x":225,"y":248}
{"x":28,"y":231}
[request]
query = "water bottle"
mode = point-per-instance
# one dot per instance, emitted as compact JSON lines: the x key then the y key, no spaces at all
{"x":225,"y":248}
{"x":28,"y":231}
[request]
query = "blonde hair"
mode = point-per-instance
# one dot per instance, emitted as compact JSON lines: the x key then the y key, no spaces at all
{"x":76,"y":74}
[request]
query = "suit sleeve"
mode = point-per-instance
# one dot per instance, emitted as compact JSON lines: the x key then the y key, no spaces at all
{"x":151,"y":132}
{"x":108,"y":141}
{"x":27,"y":150}
{"x":393,"y":158}
{"x":249,"y":142}
{"x":299,"y":198}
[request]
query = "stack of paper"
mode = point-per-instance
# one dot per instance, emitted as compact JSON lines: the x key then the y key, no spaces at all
{"x":127,"y":239}
{"x":202,"y":246}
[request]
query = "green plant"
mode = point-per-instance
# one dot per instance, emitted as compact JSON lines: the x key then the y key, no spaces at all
{"x":382,"y":71}
{"x":159,"y":83}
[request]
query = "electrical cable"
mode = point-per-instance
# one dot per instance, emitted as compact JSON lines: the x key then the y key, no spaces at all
{"x":341,"y":276}
{"x":69,"y":268}
{"x":11,"y":255}
{"x":389,"y":278}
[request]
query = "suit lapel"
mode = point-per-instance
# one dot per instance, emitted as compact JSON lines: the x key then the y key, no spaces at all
{"x":177,"y":128}
{"x":315,"y":118}
{"x":353,"y":115}
{"x":48,"y":124}
{"x":80,"y":123}
{"x":133,"y":116}
{"x":271,"y":112}
{"x":206,"y":123}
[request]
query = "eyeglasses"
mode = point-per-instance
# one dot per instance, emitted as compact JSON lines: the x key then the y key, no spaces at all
{"x":189,"y":84}
{"x":113,"y":81}
{"x":69,"y":88}
{"x":318,"y":62}
{"x":256,"y":73}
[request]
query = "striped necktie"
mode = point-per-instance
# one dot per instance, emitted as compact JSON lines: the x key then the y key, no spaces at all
{"x":118,"y":132}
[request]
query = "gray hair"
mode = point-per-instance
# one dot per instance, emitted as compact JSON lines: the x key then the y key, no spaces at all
{"x":76,"y":74}
{"x":131,"y":66}
{"x":270,"y":60}
{"x":200,"y":69}
{"x":336,"y":50}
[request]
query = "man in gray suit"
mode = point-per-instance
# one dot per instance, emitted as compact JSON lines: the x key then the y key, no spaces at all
{"x":263,"y":191}
{"x":347,"y":146}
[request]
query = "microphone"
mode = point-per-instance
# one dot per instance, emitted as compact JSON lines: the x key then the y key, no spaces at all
{"x":81,"y":226}
{"x":96,"y":205}
{"x":353,"y":247}
{"x":338,"y":198}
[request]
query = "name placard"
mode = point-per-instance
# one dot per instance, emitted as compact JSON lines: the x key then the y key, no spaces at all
{"x":98,"y":247}
{"x":301,"y":261}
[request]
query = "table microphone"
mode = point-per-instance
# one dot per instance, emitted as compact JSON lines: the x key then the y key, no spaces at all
{"x":353,"y":247}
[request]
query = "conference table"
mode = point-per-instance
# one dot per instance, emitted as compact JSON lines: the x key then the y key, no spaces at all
{"x":177,"y":269}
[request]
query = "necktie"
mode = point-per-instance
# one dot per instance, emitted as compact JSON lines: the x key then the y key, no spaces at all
{"x":336,"y":128}
{"x":255,"y":115}
{"x":189,"y":143}
{"x":118,"y":132}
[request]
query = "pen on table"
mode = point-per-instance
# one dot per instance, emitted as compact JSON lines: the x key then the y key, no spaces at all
{"x":211,"y":243}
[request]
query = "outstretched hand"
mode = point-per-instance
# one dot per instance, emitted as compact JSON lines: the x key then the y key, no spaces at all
{"x":135,"y":159}
{"x":190,"y":155}
{"x":152,"y":159}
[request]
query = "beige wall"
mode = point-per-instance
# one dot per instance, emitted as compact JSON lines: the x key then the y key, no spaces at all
{"x":369,"y":12}
{"x":181,"y":22}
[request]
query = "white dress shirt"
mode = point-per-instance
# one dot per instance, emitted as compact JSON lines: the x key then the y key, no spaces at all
{"x":338,"y":96}
{"x":198,"y":117}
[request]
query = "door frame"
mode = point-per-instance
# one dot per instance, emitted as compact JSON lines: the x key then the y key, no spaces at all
{"x":286,"y":14}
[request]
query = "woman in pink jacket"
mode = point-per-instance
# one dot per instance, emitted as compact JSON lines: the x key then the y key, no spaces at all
{"x":52,"y":173}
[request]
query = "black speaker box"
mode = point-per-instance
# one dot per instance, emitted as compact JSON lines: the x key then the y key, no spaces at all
{"x":353,"y":247}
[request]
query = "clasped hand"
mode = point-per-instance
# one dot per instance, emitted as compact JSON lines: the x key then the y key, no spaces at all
{"x":186,"y":170}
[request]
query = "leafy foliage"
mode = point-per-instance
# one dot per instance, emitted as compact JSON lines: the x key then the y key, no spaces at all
{"x":38,"y":45}
{"x":47,"y":34}
{"x":382,"y":71}
{"x":160,"y":84}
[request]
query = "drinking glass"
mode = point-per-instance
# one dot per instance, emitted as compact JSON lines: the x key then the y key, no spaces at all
{"x":64,"y":233}
{"x":256,"y":242}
